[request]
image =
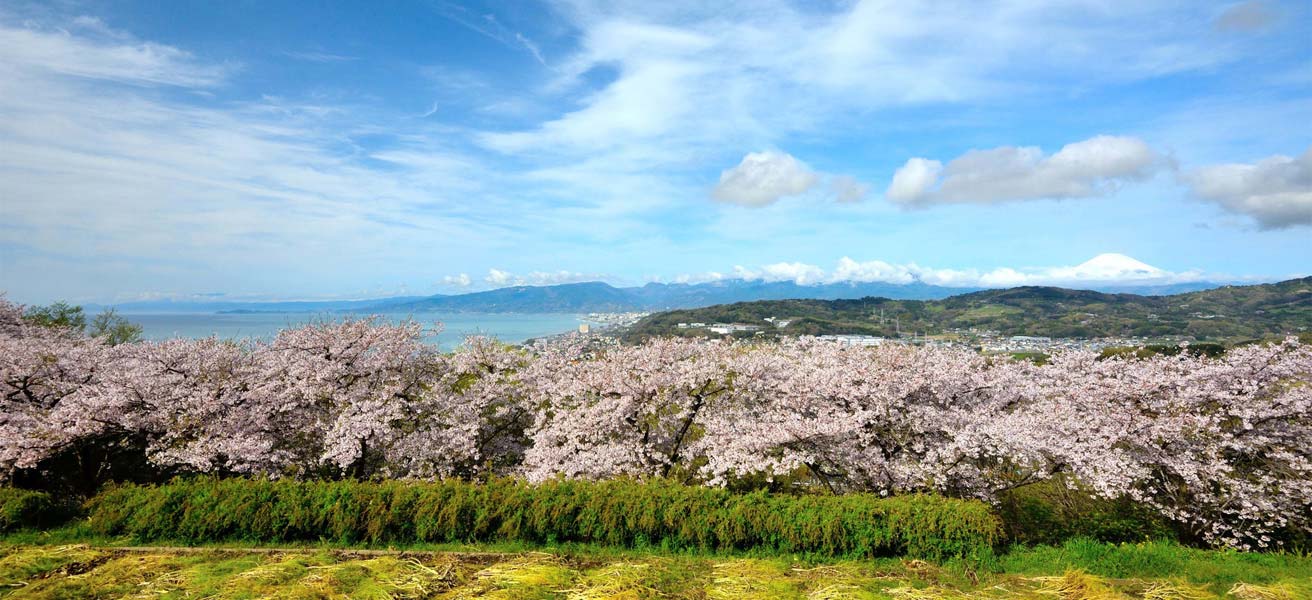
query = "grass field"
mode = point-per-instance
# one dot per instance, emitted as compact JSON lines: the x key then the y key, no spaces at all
{"x":1079,"y":570}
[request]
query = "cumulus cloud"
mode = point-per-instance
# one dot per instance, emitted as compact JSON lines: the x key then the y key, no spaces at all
{"x":1109,"y":269}
{"x":693,"y":278}
{"x":1275,"y":191}
{"x":461,"y":280}
{"x":874,"y":270}
{"x":796,"y":272}
{"x":763,"y":178}
{"x":1093,"y":167}
{"x":498,"y":278}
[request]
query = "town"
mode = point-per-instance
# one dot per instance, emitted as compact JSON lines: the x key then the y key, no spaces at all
{"x":984,"y":340}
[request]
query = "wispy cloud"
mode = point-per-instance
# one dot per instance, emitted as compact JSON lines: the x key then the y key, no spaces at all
{"x":488,"y":26}
{"x":319,"y":56}
{"x":93,"y":51}
{"x":102,"y":171}
{"x":1249,"y":16}
{"x":133,"y":164}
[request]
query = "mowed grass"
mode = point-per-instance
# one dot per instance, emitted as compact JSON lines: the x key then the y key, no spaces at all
{"x":1075,"y":571}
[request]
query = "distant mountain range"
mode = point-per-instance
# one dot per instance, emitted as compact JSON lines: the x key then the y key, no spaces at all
{"x":602,"y":297}
{"x":1227,"y":313}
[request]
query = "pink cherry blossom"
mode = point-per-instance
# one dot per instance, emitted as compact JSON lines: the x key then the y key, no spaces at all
{"x":1222,"y":446}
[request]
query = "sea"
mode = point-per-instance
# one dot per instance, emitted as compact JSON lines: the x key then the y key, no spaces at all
{"x":444,"y":330}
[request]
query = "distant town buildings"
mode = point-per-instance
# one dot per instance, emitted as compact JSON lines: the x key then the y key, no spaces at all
{"x":855,"y":340}
{"x":731,"y":328}
{"x":608,"y":320}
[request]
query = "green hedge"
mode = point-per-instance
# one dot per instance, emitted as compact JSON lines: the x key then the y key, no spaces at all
{"x":21,"y":509}
{"x":617,"y":513}
{"x":1051,"y":512}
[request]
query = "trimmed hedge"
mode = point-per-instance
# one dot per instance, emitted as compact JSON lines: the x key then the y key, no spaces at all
{"x":618,"y":513}
{"x":21,"y":509}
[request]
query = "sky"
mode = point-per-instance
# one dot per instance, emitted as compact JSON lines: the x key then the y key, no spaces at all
{"x":300,"y":150}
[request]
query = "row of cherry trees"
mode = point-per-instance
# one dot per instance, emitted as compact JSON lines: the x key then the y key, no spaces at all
{"x":1222,"y":446}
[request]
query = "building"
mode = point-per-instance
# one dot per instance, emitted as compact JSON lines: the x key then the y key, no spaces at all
{"x":854,"y":340}
{"x":730,"y":328}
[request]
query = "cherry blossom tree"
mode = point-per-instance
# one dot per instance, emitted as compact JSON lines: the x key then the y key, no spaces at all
{"x":1220,"y":445}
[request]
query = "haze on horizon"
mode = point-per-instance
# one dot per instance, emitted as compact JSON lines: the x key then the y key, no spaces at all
{"x":272,"y":151}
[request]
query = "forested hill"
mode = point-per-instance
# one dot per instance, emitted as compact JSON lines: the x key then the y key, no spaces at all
{"x":1227,"y":314}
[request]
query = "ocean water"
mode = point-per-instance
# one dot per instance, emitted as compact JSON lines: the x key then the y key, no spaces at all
{"x":508,"y":327}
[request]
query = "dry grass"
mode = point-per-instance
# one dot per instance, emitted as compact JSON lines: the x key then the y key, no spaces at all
{"x":1279,"y":591}
{"x":85,"y":572}
{"x":751,"y":580}
{"x":1176,"y":590}
{"x":534,"y":575}
{"x":1078,"y":585}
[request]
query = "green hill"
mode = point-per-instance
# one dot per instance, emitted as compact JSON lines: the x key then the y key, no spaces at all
{"x":1229,"y":314}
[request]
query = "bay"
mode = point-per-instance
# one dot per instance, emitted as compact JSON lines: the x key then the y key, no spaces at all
{"x":512,"y":328}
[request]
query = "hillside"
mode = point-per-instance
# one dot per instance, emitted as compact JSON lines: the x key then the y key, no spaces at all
{"x":596,"y":296}
{"x":1227,"y":313}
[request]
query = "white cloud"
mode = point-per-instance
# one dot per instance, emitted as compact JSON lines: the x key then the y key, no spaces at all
{"x":799,"y":273}
{"x":763,"y":178}
{"x":101,"y":53}
{"x":562,"y":276}
{"x":319,"y":56}
{"x":1275,"y":191}
{"x":706,"y":277}
{"x":875,"y":270}
{"x":103,"y":167}
{"x":1093,"y":167}
{"x":688,"y":77}
{"x":498,"y":278}
{"x":1105,"y":269}
{"x":488,"y":26}
{"x":796,"y":272}
{"x":461,"y":280}
{"x":913,"y":181}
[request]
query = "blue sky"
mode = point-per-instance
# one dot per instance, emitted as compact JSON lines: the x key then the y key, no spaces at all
{"x":314,"y":150}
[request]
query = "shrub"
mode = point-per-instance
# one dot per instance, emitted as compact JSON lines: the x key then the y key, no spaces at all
{"x":1051,"y":512}
{"x":21,"y":509}
{"x":617,"y":512}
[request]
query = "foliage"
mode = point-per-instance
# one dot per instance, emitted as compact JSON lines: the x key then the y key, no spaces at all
{"x":1205,"y":349}
{"x":109,"y":326}
{"x":1216,"y":445}
{"x":26,"y":509}
{"x":1056,"y":510}
{"x":1230,"y":313}
{"x":114,"y":329}
{"x":59,"y":315}
{"x":615,"y":513}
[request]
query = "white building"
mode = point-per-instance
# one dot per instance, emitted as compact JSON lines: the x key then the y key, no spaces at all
{"x":854,"y":340}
